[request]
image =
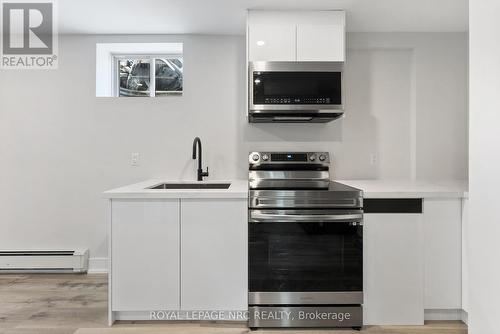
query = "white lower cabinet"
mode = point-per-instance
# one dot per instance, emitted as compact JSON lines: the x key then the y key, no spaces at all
{"x":145,"y":254}
{"x":443,"y":258}
{"x":393,"y":269}
{"x":214,"y":254}
{"x":178,"y":254}
{"x":191,"y":254}
{"x":465,"y":259}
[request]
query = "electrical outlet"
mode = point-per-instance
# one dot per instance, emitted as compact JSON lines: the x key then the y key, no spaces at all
{"x":134,"y":159}
{"x":373,"y":159}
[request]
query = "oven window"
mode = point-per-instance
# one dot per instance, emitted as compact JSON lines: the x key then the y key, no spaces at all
{"x":305,"y":257}
{"x":297,"y":88}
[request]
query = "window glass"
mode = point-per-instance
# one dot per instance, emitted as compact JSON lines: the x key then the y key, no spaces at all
{"x":134,"y":77}
{"x":168,"y":76}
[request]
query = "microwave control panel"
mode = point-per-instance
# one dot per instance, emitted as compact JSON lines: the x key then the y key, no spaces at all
{"x":295,"y":100}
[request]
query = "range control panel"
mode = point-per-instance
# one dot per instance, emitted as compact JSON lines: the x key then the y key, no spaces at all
{"x":289,"y":157}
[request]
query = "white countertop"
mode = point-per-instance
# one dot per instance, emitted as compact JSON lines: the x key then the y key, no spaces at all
{"x":409,"y":189}
{"x":238,"y":189}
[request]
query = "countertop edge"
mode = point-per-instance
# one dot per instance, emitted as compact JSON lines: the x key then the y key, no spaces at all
{"x":410,"y":189}
{"x":234,"y":195}
{"x":402,"y":194}
{"x":238,"y":189}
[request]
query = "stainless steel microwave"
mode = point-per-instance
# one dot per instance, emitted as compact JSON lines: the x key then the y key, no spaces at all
{"x":295,"y":92}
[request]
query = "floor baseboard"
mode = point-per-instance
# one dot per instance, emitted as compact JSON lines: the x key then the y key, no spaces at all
{"x":444,"y":314}
{"x":465,"y":317}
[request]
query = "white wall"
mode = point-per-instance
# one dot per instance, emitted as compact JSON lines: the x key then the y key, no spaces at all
{"x":484,"y":223}
{"x":416,"y":110}
{"x":61,"y":146}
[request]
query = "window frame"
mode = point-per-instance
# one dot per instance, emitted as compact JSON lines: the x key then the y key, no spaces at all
{"x":152,"y":71}
{"x":104,"y":67}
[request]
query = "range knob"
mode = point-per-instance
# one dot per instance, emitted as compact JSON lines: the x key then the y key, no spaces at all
{"x":322,"y":157}
{"x":312,"y":157}
{"x":265,"y":157}
{"x":255,"y":157}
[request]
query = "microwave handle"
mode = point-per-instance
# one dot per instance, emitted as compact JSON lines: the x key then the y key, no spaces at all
{"x":256,"y":217}
{"x":292,"y":118}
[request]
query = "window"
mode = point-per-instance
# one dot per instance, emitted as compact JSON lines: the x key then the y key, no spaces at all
{"x":136,"y":76}
{"x":139,"y":69}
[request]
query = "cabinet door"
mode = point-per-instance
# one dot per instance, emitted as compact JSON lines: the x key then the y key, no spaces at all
{"x":145,"y":254}
{"x":214,"y":246}
{"x":320,"y":42}
{"x":268,"y":42}
{"x":393,"y":269}
{"x":443,"y":283}
{"x":465,"y":264}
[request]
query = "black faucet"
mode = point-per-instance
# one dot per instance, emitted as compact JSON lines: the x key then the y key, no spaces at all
{"x":201,"y":173}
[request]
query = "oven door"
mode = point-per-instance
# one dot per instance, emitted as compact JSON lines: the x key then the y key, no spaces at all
{"x":305,"y":257}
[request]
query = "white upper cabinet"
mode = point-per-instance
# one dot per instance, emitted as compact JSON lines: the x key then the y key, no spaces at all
{"x":272,"y":42}
{"x":296,"y":36}
{"x":320,"y":42}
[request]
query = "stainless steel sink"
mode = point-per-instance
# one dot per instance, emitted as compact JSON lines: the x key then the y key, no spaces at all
{"x":191,"y":186}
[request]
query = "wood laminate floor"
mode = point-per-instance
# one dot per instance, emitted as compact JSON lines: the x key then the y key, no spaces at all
{"x":77,"y":304}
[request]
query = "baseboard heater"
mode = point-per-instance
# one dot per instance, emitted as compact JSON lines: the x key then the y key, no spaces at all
{"x":76,"y":261}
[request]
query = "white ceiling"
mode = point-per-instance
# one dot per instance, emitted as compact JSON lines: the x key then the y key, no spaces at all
{"x":228,"y":16}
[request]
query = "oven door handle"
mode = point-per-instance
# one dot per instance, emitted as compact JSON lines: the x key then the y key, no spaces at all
{"x":257,"y":217}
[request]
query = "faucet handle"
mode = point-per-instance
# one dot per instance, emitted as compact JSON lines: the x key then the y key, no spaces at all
{"x":205,"y":173}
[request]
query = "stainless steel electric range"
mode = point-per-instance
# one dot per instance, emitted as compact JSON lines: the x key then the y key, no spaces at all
{"x":305,"y":243}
